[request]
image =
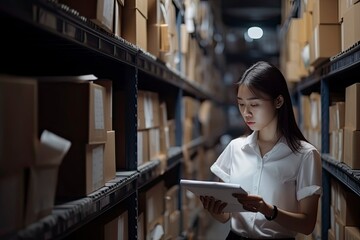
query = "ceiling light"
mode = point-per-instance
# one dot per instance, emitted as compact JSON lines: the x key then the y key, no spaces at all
{"x":255,"y":32}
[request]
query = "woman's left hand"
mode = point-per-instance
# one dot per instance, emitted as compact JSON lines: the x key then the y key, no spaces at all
{"x":252,"y":203}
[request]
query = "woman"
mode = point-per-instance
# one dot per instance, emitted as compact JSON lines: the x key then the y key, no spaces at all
{"x":275,"y":164}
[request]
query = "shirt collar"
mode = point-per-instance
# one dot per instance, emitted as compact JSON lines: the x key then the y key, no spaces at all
{"x":251,"y":140}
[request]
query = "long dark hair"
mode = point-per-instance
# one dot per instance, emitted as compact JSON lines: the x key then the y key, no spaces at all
{"x":266,"y":78}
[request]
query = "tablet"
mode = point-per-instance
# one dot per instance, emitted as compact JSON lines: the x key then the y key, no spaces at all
{"x":219,"y":190}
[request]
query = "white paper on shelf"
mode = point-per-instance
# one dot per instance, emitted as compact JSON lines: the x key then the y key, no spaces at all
{"x":219,"y":190}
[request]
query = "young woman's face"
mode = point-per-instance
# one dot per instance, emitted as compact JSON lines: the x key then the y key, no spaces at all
{"x":258,"y":111}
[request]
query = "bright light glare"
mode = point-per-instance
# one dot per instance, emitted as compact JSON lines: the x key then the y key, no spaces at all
{"x":255,"y":32}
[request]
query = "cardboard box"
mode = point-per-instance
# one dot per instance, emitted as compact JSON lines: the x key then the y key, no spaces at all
{"x":140,"y":5}
{"x":337,"y":144}
{"x":155,"y":229}
{"x":188,"y":131}
{"x":43,"y":176}
{"x":73,"y":110}
{"x":343,"y":7}
{"x":351,"y":148}
{"x":148,"y":110}
{"x":94,"y":167}
{"x":331,"y":234}
{"x":347,"y":209}
{"x":134,"y":22}
{"x":41,"y":192}
{"x":191,"y":107}
{"x":350,"y":32}
{"x":172,"y":133}
{"x":12,"y":195}
{"x":352,"y":107}
{"x":143,"y":147}
{"x":172,"y":199}
{"x":172,"y":223}
{"x":81,"y":172}
{"x":321,"y":49}
{"x":154,"y":143}
{"x":297,"y":30}
{"x":100,"y":12}
{"x":155,"y":202}
{"x":141,"y":226}
{"x":339,"y":229}
{"x":18,"y":104}
{"x":151,"y":203}
{"x":118,"y":17}
{"x":157,"y":28}
{"x":117,"y":228}
{"x":336,"y":116}
{"x":108,"y":111}
{"x":315,"y":108}
{"x":325,"y":12}
{"x":109,"y":158}
{"x":352,"y":233}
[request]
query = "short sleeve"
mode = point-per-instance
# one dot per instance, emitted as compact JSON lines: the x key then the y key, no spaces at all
{"x":221,"y":167}
{"x":309,"y":178}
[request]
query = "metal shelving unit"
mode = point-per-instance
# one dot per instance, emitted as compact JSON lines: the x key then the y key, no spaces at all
{"x":66,"y":43}
{"x":335,"y":75}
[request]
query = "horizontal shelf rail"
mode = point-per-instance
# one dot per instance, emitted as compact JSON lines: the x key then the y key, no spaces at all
{"x":349,"y":177}
{"x":342,"y":62}
{"x":69,"y":216}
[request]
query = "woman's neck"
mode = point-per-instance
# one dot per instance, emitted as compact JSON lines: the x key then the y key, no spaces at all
{"x":267,"y":141}
{"x":269,"y":135}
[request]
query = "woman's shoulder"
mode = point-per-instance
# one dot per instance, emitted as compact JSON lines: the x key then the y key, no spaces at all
{"x":307,"y":147}
{"x":239,"y":140}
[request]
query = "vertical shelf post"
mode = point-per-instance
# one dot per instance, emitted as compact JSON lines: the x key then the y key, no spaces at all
{"x":325,"y":199}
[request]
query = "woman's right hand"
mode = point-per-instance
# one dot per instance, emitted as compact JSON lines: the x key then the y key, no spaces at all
{"x":213,"y":206}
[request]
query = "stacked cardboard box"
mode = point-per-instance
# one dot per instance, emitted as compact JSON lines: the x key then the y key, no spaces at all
{"x":336,"y":130}
{"x":29,"y":164}
{"x":18,"y":103}
{"x":345,"y":212}
{"x":134,"y":22}
{"x":352,"y":126}
{"x":76,"y":110}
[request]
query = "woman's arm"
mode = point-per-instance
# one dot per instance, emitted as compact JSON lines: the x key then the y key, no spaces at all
{"x":303,"y":221}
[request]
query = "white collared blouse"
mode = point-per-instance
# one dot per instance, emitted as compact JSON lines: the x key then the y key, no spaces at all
{"x":281,"y":177}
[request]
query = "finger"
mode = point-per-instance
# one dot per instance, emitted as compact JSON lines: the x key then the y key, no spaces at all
{"x":211,"y":203}
{"x":239,"y":195}
{"x":205,"y":202}
{"x":222,"y":207}
{"x":250,"y":208}
{"x":252,"y":197}
{"x":219,"y":206}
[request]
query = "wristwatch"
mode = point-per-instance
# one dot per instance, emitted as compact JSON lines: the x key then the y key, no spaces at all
{"x":274,"y":214}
